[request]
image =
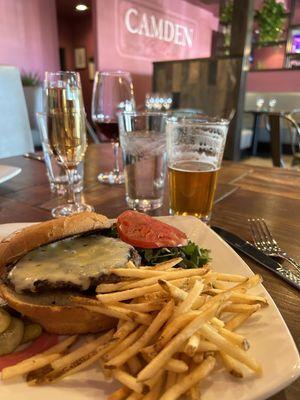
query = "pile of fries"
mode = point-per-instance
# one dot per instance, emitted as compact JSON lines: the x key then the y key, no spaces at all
{"x":174,"y":326}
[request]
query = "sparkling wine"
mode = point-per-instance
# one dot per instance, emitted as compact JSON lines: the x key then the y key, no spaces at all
{"x":64,"y":99}
{"x":67,"y":137}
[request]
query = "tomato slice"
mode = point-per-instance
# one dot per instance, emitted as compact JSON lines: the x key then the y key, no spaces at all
{"x":141,"y":230}
{"x":42,"y":343}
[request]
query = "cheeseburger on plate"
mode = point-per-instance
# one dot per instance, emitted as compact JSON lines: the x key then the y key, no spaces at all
{"x":44,"y":265}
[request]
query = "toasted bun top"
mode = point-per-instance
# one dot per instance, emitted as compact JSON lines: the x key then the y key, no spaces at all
{"x":19,"y":243}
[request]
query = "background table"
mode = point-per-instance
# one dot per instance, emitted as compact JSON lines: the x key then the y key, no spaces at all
{"x":243,"y":192}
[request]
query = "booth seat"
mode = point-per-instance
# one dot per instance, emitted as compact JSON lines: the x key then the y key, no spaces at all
{"x":15,"y":132}
{"x":34,"y":102}
{"x":286,"y":101}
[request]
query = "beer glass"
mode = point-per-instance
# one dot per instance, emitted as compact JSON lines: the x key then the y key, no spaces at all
{"x":195,"y":147}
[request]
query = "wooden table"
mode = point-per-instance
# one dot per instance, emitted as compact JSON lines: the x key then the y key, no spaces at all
{"x":242,"y":192}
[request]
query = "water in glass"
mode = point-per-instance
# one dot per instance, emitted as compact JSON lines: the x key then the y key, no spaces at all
{"x":145,"y":168}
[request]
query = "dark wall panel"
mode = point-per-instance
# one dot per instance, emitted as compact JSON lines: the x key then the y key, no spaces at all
{"x":209,"y":85}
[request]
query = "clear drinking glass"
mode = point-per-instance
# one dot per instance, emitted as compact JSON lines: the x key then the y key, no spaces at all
{"x":143,"y":142}
{"x":112,"y":93}
{"x":195,"y":147}
{"x":64,"y":136}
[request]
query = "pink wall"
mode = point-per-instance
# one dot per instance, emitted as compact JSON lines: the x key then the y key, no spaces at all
{"x":28,"y":35}
{"x":135,"y":49}
{"x":274,"y":81}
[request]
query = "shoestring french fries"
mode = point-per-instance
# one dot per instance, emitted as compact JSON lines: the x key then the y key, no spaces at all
{"x":174,"y":326}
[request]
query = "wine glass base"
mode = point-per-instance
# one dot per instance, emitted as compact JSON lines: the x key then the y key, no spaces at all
{"x":111,"y":178}
{"x":144,"y":204}
{"x":70,"y":209}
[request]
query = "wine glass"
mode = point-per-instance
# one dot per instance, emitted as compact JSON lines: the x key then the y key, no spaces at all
{"x":62,"y":91}
{"x":64,"y":135}
{"x":112,"y":93}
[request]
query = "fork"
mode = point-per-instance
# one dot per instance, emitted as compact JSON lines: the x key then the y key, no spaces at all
{"x":264,"y":241}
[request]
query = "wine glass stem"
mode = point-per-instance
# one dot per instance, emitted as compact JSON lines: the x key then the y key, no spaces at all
{"x":71,"y":195}
{"x":116,"y":158}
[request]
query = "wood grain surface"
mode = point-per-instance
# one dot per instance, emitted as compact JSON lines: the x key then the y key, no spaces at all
{"x":243,"y":192}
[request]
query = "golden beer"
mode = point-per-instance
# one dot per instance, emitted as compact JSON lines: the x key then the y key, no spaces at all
{"x":192,"y":186}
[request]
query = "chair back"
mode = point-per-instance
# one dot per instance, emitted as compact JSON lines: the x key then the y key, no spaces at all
{"x":15,"y":133}
{"x":276,"y":124}
{"x":293,"y":120}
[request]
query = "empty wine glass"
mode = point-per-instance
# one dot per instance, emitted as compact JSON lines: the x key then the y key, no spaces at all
{"x":272,"y":104}
{"x":260,"y":103}
{"x":112,"y":93}
{"x":158,"y":101}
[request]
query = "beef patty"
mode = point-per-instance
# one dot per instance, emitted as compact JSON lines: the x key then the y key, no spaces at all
{"x":75,"y":263}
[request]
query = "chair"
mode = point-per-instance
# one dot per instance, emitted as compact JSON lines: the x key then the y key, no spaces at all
{"x":276,"y":122}
{"x":15,"y":132}
{"x":295,"y":136}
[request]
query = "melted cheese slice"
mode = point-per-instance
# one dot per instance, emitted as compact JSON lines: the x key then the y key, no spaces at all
{"x":75,"y":260}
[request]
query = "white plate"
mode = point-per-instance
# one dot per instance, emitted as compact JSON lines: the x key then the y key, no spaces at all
{"x":271,"y":342}
{"x":7,"y":172}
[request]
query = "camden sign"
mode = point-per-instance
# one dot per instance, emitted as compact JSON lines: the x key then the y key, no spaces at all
{"x":159,"y":28}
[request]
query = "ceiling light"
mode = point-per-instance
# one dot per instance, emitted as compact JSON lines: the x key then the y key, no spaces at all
{"x":81,"y":7}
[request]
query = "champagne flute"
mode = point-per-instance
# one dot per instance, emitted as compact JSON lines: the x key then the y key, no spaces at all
{"x":62,"y":91}
{"x":64,"y":134}
{"x":112,"y":93}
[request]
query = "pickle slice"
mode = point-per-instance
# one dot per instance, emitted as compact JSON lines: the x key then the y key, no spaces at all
{"x":5,"y":319}
{"x":31,"y":332}
{"x":11,"y":337}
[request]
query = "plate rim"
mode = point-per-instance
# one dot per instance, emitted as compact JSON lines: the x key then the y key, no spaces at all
{"x":263,"y":393}
{"x":14,"y":172}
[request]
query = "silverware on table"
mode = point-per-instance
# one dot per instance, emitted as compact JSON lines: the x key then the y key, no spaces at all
{"x":34,"y":156}
{"x":264,"y":241}
{"x":251,"y":251}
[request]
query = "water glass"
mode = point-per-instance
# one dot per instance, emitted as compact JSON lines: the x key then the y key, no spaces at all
{"x":143,"y":142}
{"x":195,"y":147}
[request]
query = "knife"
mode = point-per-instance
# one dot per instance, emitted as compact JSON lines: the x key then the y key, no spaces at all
{"x":257,"y":255}
{"x":34,"y":156}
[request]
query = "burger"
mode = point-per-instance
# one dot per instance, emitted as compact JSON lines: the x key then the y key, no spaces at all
{"x":43,"y":266}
